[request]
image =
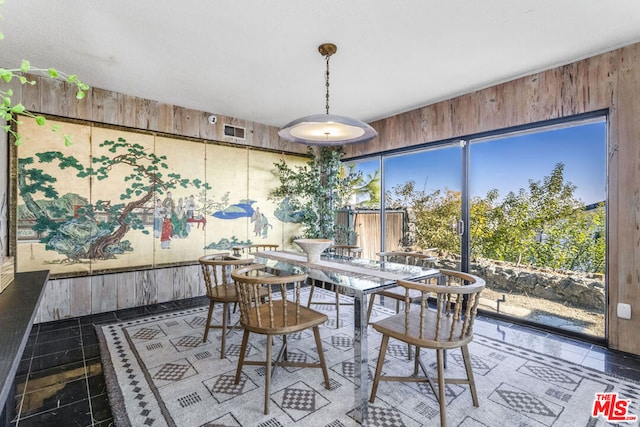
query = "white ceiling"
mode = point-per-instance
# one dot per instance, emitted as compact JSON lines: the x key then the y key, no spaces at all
{"x":258,"y":59}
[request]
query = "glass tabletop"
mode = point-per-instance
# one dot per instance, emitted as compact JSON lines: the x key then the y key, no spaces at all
{"x":350,"y":280}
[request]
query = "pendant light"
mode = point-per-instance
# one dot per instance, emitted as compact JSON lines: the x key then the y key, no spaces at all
{"x":327,"y":129}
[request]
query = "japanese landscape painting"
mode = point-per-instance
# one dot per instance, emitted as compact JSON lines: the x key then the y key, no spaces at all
{"x":179,"y":219}
{"x":227,"y":199}
{"x":117,"y":200}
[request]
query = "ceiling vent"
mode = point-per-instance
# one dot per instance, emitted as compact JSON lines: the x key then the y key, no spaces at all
{"x":234,"y":131}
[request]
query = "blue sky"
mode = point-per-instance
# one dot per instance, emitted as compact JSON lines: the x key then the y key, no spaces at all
{"x":508,"y":163}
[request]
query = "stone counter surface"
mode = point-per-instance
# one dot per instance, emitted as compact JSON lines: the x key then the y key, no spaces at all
{"x":18,"y":306}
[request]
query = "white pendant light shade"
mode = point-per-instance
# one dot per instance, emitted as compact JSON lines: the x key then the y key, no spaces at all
{"x":327,"y":129}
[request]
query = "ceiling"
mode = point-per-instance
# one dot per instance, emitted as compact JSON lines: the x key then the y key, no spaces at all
{"x":258,"y":60}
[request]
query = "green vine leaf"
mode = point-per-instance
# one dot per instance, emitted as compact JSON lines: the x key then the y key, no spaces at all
{"x":17,"y":109}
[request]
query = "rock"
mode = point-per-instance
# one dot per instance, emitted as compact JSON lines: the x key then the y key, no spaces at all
{"x":579,"y":289}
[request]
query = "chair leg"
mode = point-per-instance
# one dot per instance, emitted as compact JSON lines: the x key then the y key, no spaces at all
{"x":376,"y":378}
{"x":416,"y":361}
{"x":313,"y":287}
{"x":323,"y":365}
{"x":267,"y":376}
{"x":372,"y":299}
{"x":285,"y":355}
{"x":243,"y":349}
{"x":208,"y":325}
{"x":223,"y":340}
{"x":472,"y":383}
{"x":442,"y":400}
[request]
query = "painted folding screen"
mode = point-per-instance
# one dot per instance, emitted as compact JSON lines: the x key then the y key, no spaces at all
{"x":120,"y":200}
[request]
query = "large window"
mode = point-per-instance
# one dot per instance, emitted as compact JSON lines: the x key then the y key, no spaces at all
{"x":525,"y":209}
{"x":537,"y":223}
{"x":426,"y":186}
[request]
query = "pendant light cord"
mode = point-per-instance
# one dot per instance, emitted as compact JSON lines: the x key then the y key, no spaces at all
{"x":327,"y":83}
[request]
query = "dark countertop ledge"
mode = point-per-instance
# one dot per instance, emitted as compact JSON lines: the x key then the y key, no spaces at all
{"x":18,"y":307}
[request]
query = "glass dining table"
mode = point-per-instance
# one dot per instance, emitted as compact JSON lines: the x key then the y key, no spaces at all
{"x":356,"y":277}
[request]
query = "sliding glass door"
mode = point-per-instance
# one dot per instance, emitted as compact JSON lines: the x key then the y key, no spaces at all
{"x":537,"y":224}
{"x":525,"y":210}
{"x":423,"y":200}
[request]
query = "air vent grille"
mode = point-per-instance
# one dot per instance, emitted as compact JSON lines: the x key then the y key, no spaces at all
{"x":234,"y":131}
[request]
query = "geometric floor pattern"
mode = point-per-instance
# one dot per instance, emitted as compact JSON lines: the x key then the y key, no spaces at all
{"x":159,"y":372}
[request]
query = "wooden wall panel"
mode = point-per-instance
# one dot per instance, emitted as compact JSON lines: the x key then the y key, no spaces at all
{"x":260,"y":135}
{"x":491,"y":103}
{"x":178,"y":283}
{"x":82,"y":108}
{"x":104,"y":293}
{"x":146,"y":288}
{"x":128,"y":111}
{"x":464,"y":117}
{"x":624,"y":333}
{"x":55,"y":96}
{"x":186,"y":122}
{"x":56,"y":300}
{"x":126,"y":289}
{"x":602,"y":69}
{"x":31,"y":94}
{"x":206,"y":129}
{"x":397,"y":131}
{"x":193,"y":281}
{"x":80,"y":296}
{"x":164,"y":284}
{"x":105,"y":106}
{"x":146,"y":114}
{"x":165,"y":118}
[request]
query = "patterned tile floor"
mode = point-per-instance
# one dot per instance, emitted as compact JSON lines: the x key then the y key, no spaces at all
{"x":60,"y":380}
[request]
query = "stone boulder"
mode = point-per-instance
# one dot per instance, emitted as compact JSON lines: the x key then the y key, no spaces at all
{"x":578,"y":289}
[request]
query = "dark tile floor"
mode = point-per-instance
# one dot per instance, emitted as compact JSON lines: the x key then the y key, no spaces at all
{"x":60,"y":380}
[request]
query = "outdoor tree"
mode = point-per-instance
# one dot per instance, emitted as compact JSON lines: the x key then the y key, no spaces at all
{"x":544,"y":225}
{"x":363,"y":187}
{"x":574,"y":243}
{"x":521,"y":227}
{"x":97,"y":230}
{"x":436,"y":215}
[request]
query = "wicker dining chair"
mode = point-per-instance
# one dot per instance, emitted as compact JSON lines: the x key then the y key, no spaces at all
{"x":447,"y":325}
{"x":396,"y":293}
{"x":274,"y":317}
{"x":216,"y":270}
{"x":341,"y":251}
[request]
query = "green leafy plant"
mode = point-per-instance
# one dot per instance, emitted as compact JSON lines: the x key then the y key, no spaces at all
{"x":317,"y":190}
{"x":544,"y":225}
{"x":10,"y":111}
